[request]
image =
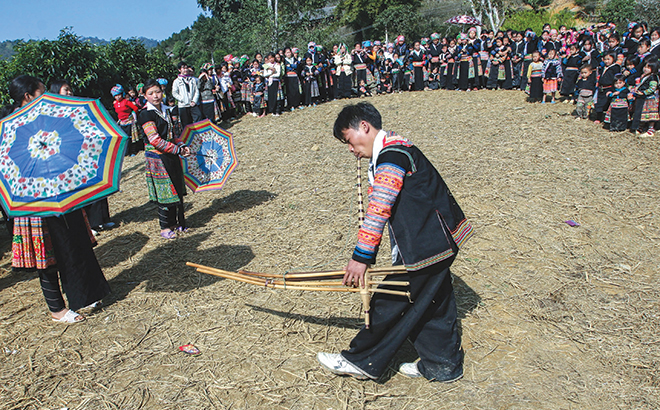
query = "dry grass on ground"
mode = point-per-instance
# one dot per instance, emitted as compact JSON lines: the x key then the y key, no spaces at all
{"x":552,"y":317}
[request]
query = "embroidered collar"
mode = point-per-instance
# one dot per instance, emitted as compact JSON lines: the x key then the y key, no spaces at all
{"x":162,"y":111}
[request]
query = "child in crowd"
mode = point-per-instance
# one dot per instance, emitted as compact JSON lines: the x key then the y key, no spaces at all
{"x":646,"y":100}
{"x":551,"y":75}
{"x":535,"y":77}
{"x":258,"y":89}
{"x":310,"y":84}
{"x":571,"y":72}
{"x":363,"y":91}
{"x":617,"y":114}
{"x":630,"y":73}
{"x":586,"y":86}
{"x":434,"y":79}
{"x":605,"y":84}
{"x":384,"y":86}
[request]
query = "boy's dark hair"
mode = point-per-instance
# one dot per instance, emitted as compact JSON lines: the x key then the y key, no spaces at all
{"x":587,"y":66}
{"x":181,"y":64}
{"x":351,"y":117}
{"x":616,"y":36}
{"x":646,"y":42}
{"x":619,"y":77}
{"x":611,"y":54}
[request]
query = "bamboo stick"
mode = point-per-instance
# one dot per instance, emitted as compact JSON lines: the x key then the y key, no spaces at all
{"x":359,"y":192}
{"x":270,"y":284}
{"x":319,"y":283}
{"x":329,"y":274}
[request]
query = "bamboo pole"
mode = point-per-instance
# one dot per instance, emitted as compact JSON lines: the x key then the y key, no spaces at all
{"x":330,"y":274}
{"x":359,"y":192}
{"x":273,"y":285}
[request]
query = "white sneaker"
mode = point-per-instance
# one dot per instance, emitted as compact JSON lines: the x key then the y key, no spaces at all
{"x":410,"y":370}
{"x":336,"y":363}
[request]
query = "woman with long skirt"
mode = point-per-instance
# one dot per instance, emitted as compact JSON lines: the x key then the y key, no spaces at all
{"x":163,"y":167}
{"x":418,"y":60}
{"x":292,"y":80}
{"x":344,"y":64}
{"x":272,"y":73}
{"x":58,"y":248}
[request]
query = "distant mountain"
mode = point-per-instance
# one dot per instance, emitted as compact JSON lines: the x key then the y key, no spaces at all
{"x":7,"y":46}
{"x":7,"y":49}
{"x":148,"y":42}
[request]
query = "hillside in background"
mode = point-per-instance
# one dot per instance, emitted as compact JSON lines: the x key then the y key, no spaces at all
{"x":7,"y":46}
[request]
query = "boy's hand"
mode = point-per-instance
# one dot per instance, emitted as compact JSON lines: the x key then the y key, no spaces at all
{"x":354,"y":275}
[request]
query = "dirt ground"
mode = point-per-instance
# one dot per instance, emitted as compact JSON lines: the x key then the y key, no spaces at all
{"x":552,"y":316}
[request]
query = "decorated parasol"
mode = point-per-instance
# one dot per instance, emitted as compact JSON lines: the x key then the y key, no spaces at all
{"x":58,"y":154}
{"x":464,"y":19}
{"x":213,"y":156}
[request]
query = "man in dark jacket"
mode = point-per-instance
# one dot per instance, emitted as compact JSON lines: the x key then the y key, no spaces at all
{"x":427,"y":228}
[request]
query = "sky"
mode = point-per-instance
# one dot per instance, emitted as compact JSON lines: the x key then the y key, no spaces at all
{"x":105,"y":19}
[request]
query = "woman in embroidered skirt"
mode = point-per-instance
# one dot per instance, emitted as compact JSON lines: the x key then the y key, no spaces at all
{"x":163,"y":168}
{"x":58,"y":248}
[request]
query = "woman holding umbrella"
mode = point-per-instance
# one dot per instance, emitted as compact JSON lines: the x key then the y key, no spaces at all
{"x":163,"y":168}
{"x":59,"y":248}
{"x":98,"y":213}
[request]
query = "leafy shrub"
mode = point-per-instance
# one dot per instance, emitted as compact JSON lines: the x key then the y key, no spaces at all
{"x":535,"y":20}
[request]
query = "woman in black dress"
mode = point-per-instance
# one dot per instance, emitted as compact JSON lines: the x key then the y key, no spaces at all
{"x":58,"y":248}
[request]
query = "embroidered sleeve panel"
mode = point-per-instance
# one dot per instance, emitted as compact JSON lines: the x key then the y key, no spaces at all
{"x":653,"y":86}
{"x":388,"y":182}
{"x":154,"y":139}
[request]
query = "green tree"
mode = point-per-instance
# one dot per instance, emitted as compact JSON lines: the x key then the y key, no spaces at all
{"x":363,"y":13}
{"x":619,"y":12}
{"x":536,"y":5}
{"x":648,"y":10}
{"x":66,"y":57}
{"x":91,"y":70}
{"x":402,"y":19}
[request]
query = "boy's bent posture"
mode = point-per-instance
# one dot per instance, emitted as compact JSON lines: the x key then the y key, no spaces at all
{"x":427,"y":228}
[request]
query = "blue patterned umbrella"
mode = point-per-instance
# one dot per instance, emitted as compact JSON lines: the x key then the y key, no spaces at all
{"x":57,"y":154}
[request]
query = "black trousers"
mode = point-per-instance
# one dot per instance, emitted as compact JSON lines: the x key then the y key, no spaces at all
{"x":429,"y":322}
{"x":98,"y":213}
{"x":208,"y":111}
{"x":188,"y":115}
{"x":171,"y":215}
{"x":50,"y":286}
{"x":82,"y":280}
{"x":602,"y":103}
{"x":273,"y":104}
{"x":344,"y":85}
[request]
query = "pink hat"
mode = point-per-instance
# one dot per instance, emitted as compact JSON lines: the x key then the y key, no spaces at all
{"x":400,"y":39}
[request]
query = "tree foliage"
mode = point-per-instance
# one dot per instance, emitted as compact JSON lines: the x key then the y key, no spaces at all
{"x":619,"y":12}
{"x":535,"y":20}
{"x":91,"y":69}
{"x":363,"y":13}
{"x":649,"y":11}
{"x":401,"y":19}
{"x":537,"y":5}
